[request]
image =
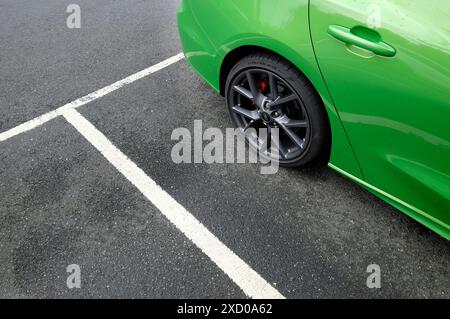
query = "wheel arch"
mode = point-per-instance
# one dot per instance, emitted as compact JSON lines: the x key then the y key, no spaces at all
{"x":233,"y":56}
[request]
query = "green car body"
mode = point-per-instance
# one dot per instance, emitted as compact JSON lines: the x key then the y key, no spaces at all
{"x":381,"y":67}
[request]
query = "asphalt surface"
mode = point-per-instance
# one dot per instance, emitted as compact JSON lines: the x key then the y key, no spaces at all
{"x":309,"y":232}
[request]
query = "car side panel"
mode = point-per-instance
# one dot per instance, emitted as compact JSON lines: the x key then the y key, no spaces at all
{"x":396,"y":110}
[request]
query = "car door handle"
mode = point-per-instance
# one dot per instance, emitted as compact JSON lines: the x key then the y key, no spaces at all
{"x":362,"y":37}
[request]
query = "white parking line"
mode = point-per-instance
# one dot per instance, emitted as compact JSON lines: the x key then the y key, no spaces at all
{"x":242,"y":274}
{"x":27,"y":126}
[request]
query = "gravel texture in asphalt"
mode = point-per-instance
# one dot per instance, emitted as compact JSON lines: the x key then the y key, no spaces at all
{"x":309,"y":232}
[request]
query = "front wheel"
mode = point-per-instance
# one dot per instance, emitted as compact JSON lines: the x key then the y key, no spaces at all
{"x":266,"y":92}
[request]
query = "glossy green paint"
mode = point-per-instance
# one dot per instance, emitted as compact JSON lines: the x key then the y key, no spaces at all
{"x":396,"y":109}
{"x":389,"y":111}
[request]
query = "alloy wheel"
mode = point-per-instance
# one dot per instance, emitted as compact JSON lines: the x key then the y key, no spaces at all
{"x":262,"y":99}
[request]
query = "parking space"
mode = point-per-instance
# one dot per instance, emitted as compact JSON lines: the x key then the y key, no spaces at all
{"x":308,"y":232}
{"x":63,"y":204}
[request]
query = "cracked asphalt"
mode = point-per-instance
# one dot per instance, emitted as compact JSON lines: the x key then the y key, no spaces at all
{"x":309,"y":232}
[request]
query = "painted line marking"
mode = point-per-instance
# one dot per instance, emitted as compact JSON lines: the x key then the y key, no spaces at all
{"x":29,"y":125}
{"x":240,"y":272}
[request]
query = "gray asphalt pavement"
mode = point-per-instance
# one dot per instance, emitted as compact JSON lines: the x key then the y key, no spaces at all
{"x":309,"y":232}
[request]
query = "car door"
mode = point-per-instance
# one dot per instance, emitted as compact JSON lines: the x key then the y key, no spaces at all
{"x":386,"y":64}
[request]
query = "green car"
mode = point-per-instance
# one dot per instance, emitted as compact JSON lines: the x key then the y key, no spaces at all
{"x":364,"y":84}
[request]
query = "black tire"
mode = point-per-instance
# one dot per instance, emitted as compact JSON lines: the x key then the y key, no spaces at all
{"x":287,"y":78}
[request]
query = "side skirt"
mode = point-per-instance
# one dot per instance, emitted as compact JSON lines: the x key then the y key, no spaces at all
{"x":425,"y":219}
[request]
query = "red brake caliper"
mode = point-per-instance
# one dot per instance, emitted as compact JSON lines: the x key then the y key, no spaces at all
{"x":263,"y":85}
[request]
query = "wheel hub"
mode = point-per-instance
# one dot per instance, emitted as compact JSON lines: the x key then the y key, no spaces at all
{"x":264,"y":110}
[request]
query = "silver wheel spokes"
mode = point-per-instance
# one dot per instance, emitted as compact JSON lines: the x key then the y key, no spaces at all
{"x":262,"y":99}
